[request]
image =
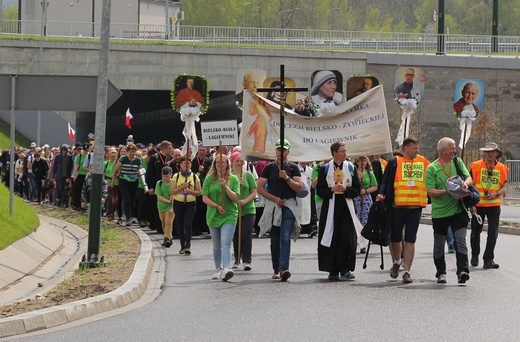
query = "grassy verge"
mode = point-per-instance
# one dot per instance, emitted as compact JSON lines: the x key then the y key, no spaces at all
{"x":20,"y":224}
{"x":5,"y":140}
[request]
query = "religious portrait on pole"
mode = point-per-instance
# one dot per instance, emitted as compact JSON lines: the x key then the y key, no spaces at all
{"x":409,"y":83}
{"x":190,"y":98}
{"x":190,"y":91}
{"x":468,"y":103}
{"x":250,"y":79}
{"x":275,"y":96}
{"x":359,"y":84}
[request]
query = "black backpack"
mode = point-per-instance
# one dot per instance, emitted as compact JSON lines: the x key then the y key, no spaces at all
{"x":377,"y":229}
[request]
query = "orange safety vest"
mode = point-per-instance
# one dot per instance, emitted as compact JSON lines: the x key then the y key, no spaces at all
{"x":489,"y":183}
{"x":410,"y":182}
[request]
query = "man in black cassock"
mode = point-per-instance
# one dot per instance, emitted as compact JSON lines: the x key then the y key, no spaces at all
{"x":337,"y":184}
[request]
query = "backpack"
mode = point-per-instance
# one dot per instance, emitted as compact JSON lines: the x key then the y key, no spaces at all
{"x":377,"y":229}
{"x":473,"y":197}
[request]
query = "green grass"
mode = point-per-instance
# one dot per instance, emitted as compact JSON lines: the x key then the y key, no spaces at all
{"x":5,"y":137}
{"x":20,"y":224}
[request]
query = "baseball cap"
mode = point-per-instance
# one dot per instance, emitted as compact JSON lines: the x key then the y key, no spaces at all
{"x":286,"y":144}
{"x":33,"y":144}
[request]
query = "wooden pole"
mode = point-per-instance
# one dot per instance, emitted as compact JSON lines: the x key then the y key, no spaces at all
{"x":222,"y":190}
{"x":187,"y":156}
{"x":463,"y":142}
{"x":240,"y":216}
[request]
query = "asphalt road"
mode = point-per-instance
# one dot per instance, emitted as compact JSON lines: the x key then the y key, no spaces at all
{"x":252,"y":307}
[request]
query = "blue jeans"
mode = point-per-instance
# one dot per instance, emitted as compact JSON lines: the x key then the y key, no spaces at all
{"x":32,"y":191}
{"x":222,"y":238}
{"x":281,"y":241}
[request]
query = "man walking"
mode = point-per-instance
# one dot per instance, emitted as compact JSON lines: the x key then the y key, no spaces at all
{"x":446,"y":211}
{"x":337,"y":239}
{"x":404,"y":190}
{"x":490,"y":177}
{"x":279,"y":214}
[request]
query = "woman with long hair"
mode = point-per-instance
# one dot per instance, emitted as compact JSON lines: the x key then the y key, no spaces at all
{"x":220,"y":193}
{"x":247,"y":212}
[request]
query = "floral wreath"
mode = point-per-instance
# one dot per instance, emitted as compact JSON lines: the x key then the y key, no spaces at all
{"x":179,"y":83}
{"x":461,"y":113}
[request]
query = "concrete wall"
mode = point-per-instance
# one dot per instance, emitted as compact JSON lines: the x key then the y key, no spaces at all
{"x":434,"y":118}
{"x":154,"y":68}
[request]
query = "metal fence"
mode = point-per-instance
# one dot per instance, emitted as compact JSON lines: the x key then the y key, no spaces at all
{"x":261,"y":37}
{"x":513,"y":179}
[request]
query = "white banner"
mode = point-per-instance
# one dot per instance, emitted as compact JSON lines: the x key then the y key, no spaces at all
{"x":361,"y":123}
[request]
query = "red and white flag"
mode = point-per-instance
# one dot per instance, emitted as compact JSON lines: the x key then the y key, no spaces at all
{"x":128,"y":117}
{"x":72,"y":133}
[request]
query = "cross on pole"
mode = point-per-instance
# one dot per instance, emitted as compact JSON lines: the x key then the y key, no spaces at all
{"x":283,"y":97}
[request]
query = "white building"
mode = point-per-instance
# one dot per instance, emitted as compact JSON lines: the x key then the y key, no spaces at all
{"x":129,"y":18}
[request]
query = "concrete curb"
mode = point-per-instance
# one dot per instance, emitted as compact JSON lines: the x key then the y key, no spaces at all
{"x":37,"y":262}
{"x":130,"y":292}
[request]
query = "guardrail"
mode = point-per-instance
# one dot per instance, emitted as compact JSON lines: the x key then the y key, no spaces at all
{"x":261,"y":37}
{"x":513,"y":179}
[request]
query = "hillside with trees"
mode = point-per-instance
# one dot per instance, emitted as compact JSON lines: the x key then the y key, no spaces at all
{"x":472,"y":17}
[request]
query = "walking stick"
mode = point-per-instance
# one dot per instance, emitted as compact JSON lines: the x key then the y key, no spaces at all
{"x":240,"y":218}
{"x":186,"y":177}
{"x":222,"y":191}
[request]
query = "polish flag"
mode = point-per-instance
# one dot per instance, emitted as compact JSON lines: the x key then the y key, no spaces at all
{"x":72,"y":133}
{"x":128,"y":117}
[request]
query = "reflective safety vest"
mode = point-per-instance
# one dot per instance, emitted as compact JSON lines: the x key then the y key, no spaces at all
{"x":410,"y":182}
{"x":488,"y":182}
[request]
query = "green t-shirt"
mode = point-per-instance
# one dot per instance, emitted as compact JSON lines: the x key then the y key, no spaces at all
{"x":79,"y":160}
{"x":248,"y":185}
{"x":212,"y":190}
{"x":163,"y":189}
{"x":436,"y":177}
{"x":369,"y":180}
{"x":109,"y":169}
{"x":314,"y":175}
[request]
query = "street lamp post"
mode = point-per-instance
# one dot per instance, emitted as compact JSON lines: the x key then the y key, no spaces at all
{"x":244,"y":15}
{"x":43,"y":32}
{"x":167,"y":19}
{"x":278,"y":15}
{"x":330,"y":16}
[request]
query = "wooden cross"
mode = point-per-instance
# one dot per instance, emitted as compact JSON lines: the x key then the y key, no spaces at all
{"x":283,"y":97}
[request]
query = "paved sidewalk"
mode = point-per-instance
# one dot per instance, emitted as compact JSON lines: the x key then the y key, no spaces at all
{"x":36,"y":263}
{"x":55,"y":249}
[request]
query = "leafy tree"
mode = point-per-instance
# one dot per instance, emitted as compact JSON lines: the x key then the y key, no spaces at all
{"x":10,"y":13}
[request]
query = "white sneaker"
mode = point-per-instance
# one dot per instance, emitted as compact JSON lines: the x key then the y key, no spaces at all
{"x":216,"y":276}
{"x":441,"y":279}
{"x":235,"y":266}
{"x":247,"y":267}
{"x":227,"y":274}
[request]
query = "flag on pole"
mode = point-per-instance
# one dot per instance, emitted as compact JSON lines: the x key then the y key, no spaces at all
{"x":128,"y":117}
{"x":72,"y":133}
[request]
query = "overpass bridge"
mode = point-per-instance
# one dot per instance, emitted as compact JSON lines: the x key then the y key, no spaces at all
{"x":144,"y":71}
